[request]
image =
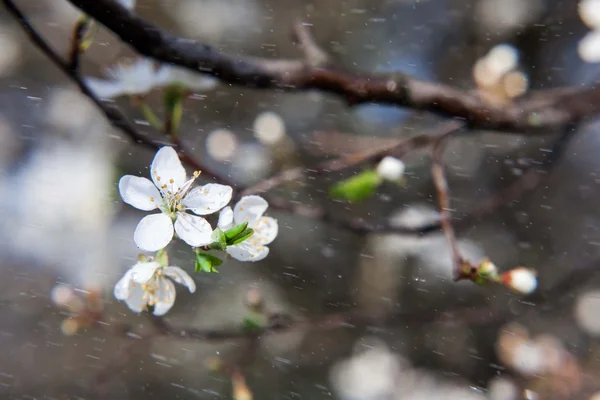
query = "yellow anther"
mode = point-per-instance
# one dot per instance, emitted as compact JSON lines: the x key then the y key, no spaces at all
{"x":197,"y":173}
{"x":179,"y":207}
{"x":164,"y":186}
{"x":158,"y":178}
{"x":152,"y":199}
{"x":171,"y":180}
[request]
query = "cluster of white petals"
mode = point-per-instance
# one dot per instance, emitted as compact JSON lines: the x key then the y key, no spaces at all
{"x":150,"y":284}
{"x":589,"y":46}
{"x":171,"y":192}
{"x":250,"y":209}
{"x":143,"y":75}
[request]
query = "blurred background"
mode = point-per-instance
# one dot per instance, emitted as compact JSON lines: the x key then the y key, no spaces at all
{"x":62,"y":223}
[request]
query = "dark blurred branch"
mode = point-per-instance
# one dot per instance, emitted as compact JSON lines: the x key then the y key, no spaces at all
{"x":536,"y":112}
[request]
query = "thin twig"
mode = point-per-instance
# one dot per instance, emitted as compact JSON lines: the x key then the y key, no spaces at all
{"x":373,"y":155}
{"x":443,"y":195}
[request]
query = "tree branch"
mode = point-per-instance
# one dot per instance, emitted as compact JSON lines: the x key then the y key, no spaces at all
{"x":534,"y":113}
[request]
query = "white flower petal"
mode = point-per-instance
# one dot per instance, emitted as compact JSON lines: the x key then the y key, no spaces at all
{"x":123,"y":286}
{"x":390,"y":168}
{"x":589,"y":47}
{"x":195,"y":231}
{"x":225,"y":219}
{"x":166,"y":170}
{"x":266,"y":230}
{"x":589,"y":11}
{"x":136,"y":300}
{"x":153,"y":232}
{"x":208,"y":199}
{"x":165,"y":297}
{"x":249,"y":209}
{"x":247,"y":252}
{"x":172,"y":75}
{"x":181,"y":277}
{"x":139,"y":192}
{"x":142,"y":272}
{"x":105,"y":89}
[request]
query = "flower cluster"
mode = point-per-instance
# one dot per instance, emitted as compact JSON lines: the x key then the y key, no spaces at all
{"x":243,"y":232}
{"x":589,"y":46}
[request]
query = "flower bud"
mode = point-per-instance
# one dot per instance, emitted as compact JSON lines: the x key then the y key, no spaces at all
{"x":521,"y":280}
{"x":390,"y":168}
{"x":488,"y":269}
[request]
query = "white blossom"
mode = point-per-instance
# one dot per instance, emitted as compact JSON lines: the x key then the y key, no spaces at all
{"x":146,"y":284}
{"x":589,"y":47}
{"x":143,"y":75}
{"x":250,"y":209}
{"x":521,"y":280}
{"x":390,"y":168}
{"x":589,"y":12}
{"x":170,"y":192}
{"x":136,"y":78}
{"x":194,"y":81}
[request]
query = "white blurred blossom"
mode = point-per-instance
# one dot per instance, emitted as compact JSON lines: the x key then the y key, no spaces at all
{"x":136,"y":78}
{"x":370,"y":375}
{"x":174,"y":75}
{"x":587,"y":312}
{"x":250,"y":209}
{"x":269,"y":128}
{"x":221,"y":144}
{"x":521,"y":280}
{"x":390,"y":168}
{"x":150,"y":284}
{"x":589,"y":47}
{"x":143,"y":75}
{"x":589,"y":12}
{"x":171,"y":192}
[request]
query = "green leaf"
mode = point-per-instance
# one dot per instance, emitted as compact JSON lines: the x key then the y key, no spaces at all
{"x":207,"y":262}
{"x":173,"y":101}
{"x":357,"y":188}
{"x":235,"y":231}
{"x":245,"y":234}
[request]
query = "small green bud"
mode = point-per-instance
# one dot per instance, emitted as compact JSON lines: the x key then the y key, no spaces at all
{"x":235,"y":231}
{"x":357,"y":188}
{"x":207,"y":262}
{"x":245,"y":234}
